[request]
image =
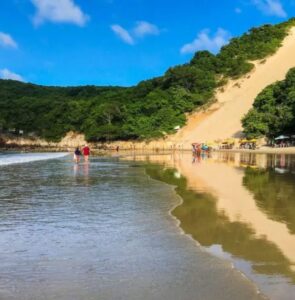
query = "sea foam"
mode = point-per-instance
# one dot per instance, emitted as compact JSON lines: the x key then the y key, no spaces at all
{"x":18,"y":158}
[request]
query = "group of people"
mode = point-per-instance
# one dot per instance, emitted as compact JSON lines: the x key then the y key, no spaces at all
{"x":78,"y":153}
{"x":198,"y":148}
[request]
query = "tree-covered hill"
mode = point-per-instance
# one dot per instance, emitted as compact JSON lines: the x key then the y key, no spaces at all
{"x":273,"y":112}
{"x":149,"y":110}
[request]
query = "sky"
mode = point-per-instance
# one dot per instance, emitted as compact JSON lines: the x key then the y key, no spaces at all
{"x":119,"y":42}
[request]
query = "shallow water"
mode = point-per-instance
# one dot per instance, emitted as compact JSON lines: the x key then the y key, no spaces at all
{"x":240,"y":207}
{"x":101,"y":231}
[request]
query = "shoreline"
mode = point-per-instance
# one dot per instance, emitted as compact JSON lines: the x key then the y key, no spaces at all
{"x":262,"y":150}
{"x":99,"y":151}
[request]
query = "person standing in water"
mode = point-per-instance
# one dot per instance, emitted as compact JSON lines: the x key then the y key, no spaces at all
{"x":86,"y":153}
{"x":77,"y":154}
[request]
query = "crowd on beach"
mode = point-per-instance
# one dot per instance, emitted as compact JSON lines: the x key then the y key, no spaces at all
{"x":283,"y":141}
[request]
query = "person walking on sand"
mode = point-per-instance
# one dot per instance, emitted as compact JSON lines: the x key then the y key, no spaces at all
{"x":86,"y":153}
{"x":77,"y":154}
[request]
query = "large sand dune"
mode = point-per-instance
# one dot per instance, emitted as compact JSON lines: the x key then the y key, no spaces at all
{"x":223,"y":119}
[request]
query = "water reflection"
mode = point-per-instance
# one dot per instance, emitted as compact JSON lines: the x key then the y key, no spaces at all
{"x":100,"y":231}
{"x":243,"y":202}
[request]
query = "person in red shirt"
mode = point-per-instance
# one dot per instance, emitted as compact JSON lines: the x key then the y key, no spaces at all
{"x":86,"y":153}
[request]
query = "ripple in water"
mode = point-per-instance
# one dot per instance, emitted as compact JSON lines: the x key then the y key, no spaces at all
{"x":100,"y":231}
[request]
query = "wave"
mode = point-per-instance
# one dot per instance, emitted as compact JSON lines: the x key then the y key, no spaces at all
{"x":19,"y":158}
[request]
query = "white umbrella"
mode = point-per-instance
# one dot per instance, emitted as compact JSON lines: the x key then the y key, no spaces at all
{"x":281,"y":137}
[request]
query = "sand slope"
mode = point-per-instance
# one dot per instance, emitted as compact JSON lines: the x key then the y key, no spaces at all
{"x":223,"y":119}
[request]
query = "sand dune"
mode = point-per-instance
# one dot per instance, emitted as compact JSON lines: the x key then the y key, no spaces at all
{"x":223,"y":119}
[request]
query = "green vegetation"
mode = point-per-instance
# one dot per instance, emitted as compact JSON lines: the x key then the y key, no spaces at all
{"x":273,"y":112}
{"x":149,"y":110}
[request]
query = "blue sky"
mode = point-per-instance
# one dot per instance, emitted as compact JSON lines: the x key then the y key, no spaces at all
{"x":119,"y":42}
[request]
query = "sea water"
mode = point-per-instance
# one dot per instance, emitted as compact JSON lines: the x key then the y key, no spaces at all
{"x":239,"y":207}
{"x":9,"y":158}
{"x":100,"y":231}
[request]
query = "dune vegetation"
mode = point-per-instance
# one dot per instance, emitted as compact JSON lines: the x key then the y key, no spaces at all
{"x":273,"y":112}
{"x":149,"y":110}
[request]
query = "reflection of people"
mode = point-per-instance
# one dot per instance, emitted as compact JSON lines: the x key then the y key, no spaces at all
{"x":76,"y":169}
{"x":77,"y":155}
{"x":86,"y":153}
{"x":196,"y":158}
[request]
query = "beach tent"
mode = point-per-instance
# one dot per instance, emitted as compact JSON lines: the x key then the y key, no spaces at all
{"x":281,"y":137}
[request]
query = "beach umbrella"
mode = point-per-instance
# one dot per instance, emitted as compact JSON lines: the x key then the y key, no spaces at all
{"x":281,"y":137}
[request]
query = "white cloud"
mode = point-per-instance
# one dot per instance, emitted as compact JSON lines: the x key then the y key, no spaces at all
{"x":205,"y":42}
{"x":144,"y":28}
{"x":6,"y":40}
{"x":58,"y":11}
{"x":271,"y":7}
{"x":123,"y":34}
{"x":140,"y":30}
{"x":238,"y":10}
{"x":7,"y":74}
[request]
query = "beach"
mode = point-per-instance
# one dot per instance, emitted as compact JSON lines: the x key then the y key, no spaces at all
{"x":147,"y":151}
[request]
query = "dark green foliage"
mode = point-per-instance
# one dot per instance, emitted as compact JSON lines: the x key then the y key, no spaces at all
{"x":149,"y":110}
{"x":273,"y":112}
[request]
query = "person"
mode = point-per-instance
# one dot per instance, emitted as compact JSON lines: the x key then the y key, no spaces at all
{"x":86,"y":153}
{"x":193,"y":148}
{"x":77,"y":154}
